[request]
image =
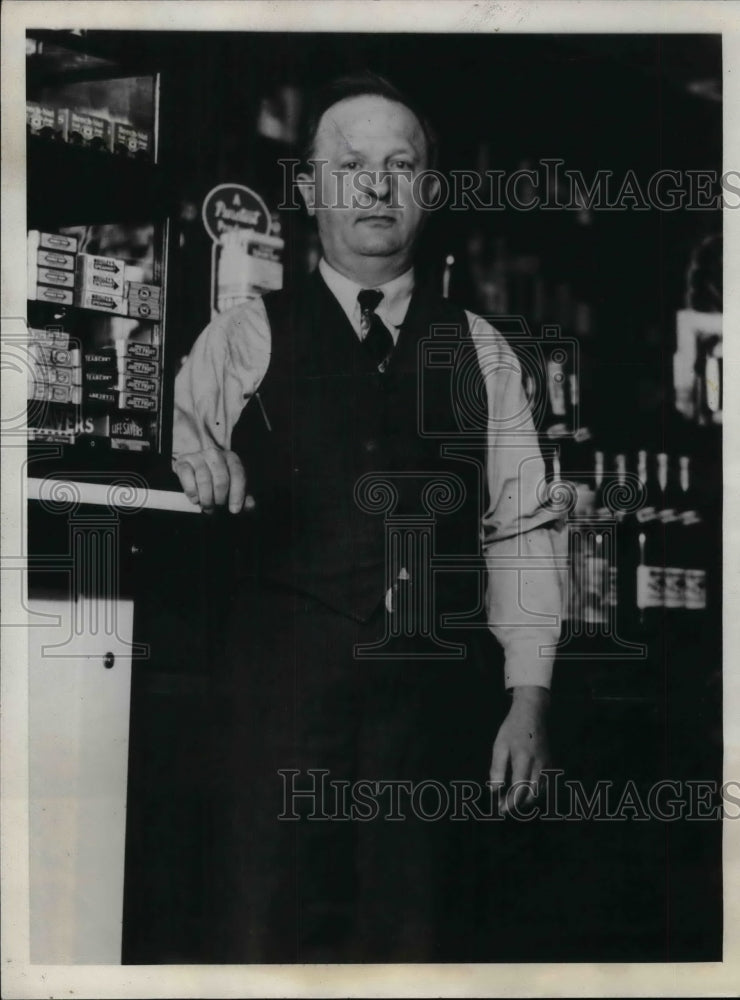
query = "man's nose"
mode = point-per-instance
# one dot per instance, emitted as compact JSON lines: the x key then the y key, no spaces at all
{"x":380,"y":185}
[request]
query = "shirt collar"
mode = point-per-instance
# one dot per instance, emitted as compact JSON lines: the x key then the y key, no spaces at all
{"x":392,"y":308}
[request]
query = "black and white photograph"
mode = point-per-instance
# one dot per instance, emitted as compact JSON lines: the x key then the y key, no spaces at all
{"x":368,"y":512}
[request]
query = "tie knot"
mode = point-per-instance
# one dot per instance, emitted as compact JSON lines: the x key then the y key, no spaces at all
{"x":369,"y":299}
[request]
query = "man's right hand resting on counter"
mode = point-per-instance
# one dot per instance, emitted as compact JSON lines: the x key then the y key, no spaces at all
{"x":212,"y":478}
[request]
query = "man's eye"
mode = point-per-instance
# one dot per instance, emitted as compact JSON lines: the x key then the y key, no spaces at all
{"x":401,"y":165}
{"x":351,"y":165}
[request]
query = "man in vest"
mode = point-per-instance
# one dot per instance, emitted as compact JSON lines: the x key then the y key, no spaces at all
{"x":353,"y":669}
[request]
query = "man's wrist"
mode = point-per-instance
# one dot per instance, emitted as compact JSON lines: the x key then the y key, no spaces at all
{"x":530,"y":694}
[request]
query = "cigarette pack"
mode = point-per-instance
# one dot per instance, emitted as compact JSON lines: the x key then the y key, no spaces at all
{"x":137,"y":366}
{"x":131,"y":141}
{"x":54,"y":375}
{"x":137,"y":350}
{"x":54,"y":276}
{"x":55,"y":393}
{"x":135,"y":383}
{"x":130,"y":401}
{"x":65,"y":357}
{"x":101,"y":302}
{"x":51,"y":241}
{"x":89,"y":130}
{"x":45,"y":293}
{"x":52,"y":337}
{"x":141,"y":291}
{"x":147,"y":309}
{"x":52,"y":258}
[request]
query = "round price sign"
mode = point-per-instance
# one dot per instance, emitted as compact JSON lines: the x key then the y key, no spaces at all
{"x":234,"y":206}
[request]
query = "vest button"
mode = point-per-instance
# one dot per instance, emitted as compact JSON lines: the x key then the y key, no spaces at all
{"x":371,"y":446}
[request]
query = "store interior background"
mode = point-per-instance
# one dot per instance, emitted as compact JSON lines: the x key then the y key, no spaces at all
{"x":229,"y":106}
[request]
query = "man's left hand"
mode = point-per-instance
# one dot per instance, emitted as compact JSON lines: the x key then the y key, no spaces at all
{"x":520,"y":751}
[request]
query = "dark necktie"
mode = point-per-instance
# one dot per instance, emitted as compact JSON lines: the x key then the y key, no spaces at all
{"x":376,"y":337}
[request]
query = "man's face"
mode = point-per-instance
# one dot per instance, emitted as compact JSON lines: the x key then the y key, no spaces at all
{"x":363,"y":193}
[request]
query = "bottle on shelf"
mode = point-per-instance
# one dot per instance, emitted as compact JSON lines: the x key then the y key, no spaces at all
{"x":556,"y":420}
{"x":708,"y":389}
{"x":649,"y":575}
{"x":608,"y":535}
{"x":623,"y":583}
{"x":668,"y":519}
{"x":692,"y":543}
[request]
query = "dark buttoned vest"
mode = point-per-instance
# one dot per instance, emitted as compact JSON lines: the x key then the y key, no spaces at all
{"x":336,"y":453}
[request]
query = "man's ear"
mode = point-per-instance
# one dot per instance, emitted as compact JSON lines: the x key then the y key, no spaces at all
{"x":307,"y":186}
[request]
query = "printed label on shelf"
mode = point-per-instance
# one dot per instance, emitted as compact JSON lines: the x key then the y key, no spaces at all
{"x":53,"y":375}
{"x":63,"y":356}
{"x":128,"y":444}
{"x":51,"y":241}
{"x":695,"y":589}
{"x":67,"y":419}
{"x":49,"y":338}
{"x":53,"y":276}
{"x":142,"y":291}
{"x":130,"y":425}
{"x":51,"y":258}
{"x":89,"y":130}
{"x":649,"y":587}
{"x":130,"y":401}
{"x":145,"y":310}
{"x":102,"y":303}
{"x":55,"y":393}
{"x":100,"y":397}
{"x":673,"y":586}
{"x":137,"y":350}
{"x":130,"y":140}
{"x":135,"y":383}
{"x":105,"y":283}
{"x":100,"y":378}
{"x":138,"y":366}
{"x":40,"y":118}
{"x":59,"y":296}
{"x":113,"y":267}
{"x":51,"y":436}
{"x":131,"y":432}
{"x":95,"y":359}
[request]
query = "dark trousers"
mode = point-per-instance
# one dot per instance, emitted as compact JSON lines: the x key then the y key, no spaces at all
{"x":343,"y":873}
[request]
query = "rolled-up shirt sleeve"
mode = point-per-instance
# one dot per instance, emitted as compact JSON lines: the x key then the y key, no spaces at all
{"x":221,"y":373}
{"x":524,"y":539}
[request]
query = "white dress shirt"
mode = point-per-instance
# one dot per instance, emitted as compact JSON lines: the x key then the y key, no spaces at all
{"x":525,"y":550}
{"x":391,"y":309}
